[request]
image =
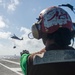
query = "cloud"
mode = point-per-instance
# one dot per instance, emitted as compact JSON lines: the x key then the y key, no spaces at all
{"x":6,"y":49}
{"x":0,"y":1}
{"x":12,"y":5}
{"x":33,"y":45}
{"x":9,"y":5}
{"x":25,"y":30}
{"x":3,"y":3}
{"x":4,"y":35}
{"x":1,"y":45}
{"x":2,"y":23}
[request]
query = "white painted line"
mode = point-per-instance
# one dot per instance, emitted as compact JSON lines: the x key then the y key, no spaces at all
{"x":11,"y":69}
{"x":16,"y":69}
{"x":11,"y":61}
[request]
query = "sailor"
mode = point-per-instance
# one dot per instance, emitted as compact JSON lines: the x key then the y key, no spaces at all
{"x":54,"y":27}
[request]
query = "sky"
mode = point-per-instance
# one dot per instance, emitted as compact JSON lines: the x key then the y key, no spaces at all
{"x":17,"y":17}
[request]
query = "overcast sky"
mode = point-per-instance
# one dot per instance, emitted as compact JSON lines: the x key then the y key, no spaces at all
{"x":17,"y":17}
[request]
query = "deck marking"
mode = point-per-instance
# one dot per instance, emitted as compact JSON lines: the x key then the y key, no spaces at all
{"x":11,"y":61}
{"x":12,"y":69}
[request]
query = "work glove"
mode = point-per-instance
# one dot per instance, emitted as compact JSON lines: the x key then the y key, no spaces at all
{"x":24,"y":52}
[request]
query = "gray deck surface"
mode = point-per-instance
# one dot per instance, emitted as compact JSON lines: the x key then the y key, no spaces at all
{"x":10,"y":66}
